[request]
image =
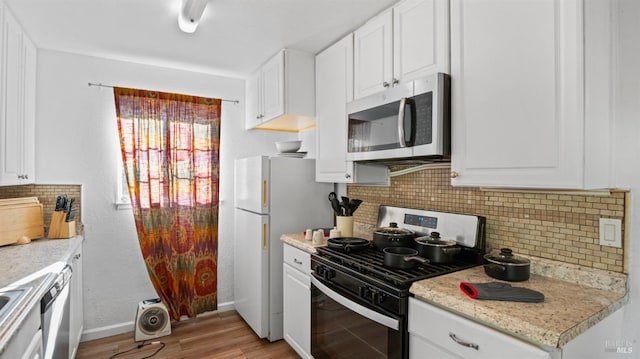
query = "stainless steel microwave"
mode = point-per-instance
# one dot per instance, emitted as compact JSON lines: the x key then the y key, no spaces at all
{"x":408,"y":121}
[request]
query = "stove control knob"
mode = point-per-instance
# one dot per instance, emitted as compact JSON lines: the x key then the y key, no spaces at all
{"x":320,"y":270}
{"x":329,"y":273}
{"x":362,"y":292}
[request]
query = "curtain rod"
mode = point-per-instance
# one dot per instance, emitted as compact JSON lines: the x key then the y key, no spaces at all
{"x":101,"y":85}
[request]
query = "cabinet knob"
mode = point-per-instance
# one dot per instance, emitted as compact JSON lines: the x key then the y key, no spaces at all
{"x":385,"y":84}
{"x":454,"y":174}
{"x":395,"y":81}
{"x":346,"y":175}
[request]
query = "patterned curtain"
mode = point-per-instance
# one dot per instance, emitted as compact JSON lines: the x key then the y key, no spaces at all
{"x":170,"y":149}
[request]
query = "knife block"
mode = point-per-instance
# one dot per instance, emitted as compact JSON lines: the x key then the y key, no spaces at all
{"x":59,"y":228}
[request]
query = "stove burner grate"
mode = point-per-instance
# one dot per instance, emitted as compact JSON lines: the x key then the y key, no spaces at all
{"x":370,"y":262}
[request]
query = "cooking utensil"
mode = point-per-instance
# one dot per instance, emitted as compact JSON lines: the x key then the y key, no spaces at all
{"x":402,"y":257}
{"x":436,"y":249}
{"x":348,"y":244}
{"x":345,"y":205}
{"x":335,"y":204}
{"x":353,"y":205}
{"x":393,"y":236}
{"x":506,"y":266}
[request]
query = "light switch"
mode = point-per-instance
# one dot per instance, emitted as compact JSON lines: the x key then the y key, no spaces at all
{"x":611,"y":232}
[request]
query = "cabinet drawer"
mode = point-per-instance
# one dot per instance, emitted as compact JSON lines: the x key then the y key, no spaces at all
{"x":297,"y":258}
{"x":443,"y":329}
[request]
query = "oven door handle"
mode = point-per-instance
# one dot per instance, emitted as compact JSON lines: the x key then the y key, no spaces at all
{"x":364,"y":311}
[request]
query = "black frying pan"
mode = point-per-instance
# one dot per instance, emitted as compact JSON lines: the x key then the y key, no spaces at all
{"x":348,"y":244}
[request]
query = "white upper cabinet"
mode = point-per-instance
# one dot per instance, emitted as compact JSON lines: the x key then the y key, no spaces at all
{"x":17,"y":103}
{"x":334,"y":88}
{"x":401,"y":44}
{"x":531,"y":93}
{"x":280,"y":94}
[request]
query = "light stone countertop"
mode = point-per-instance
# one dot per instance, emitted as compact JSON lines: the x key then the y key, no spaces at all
{"x":297,"y":240}
{"x":33,"y":266}
{"x":568,"y":310}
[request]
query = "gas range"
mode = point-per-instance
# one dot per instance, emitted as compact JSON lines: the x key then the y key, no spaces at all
{"x":359,"y":286}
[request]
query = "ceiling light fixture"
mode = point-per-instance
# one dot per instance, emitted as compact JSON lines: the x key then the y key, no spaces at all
{"x":190,"y":14}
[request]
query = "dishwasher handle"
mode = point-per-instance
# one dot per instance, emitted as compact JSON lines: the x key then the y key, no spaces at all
{"x":61,"y":281}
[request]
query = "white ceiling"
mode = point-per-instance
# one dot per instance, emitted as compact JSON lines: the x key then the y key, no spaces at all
{"x":233,"y":38}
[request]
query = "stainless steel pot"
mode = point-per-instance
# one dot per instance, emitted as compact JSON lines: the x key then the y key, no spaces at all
{"x":506,"y":266}
{"x":393,"y":236}
{"x":436,"y":249}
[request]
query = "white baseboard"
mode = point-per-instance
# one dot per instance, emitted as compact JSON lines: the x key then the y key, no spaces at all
{"x":107,"y":331}
{"x":110,"y":330}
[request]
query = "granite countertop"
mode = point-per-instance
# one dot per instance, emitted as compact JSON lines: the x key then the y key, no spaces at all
{"x":297,"y":240}
{"x":33,"y":266}
{"x":576,"y":298}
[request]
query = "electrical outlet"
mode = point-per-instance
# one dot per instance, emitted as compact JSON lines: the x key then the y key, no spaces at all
{"x":611,"y":232}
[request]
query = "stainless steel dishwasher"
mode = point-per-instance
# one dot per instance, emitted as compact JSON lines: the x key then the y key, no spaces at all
{"x":55,"y":317}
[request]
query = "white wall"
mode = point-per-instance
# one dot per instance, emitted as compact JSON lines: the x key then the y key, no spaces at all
{"x":77,"y":143}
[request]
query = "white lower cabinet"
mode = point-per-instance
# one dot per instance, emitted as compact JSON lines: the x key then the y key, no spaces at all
{"x":26,"y":343}
{"x":437,"y":333}
{"x":297,"y":300}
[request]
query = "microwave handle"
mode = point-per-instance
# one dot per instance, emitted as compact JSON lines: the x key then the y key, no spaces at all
{"x":401,"y":135}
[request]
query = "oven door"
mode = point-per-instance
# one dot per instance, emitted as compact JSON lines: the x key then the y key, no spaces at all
{"x":343,"y":328}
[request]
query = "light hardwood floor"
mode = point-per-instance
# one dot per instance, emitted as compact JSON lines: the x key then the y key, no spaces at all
{"x":216,"y":336}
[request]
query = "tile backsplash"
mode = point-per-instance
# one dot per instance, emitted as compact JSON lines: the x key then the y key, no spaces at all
{"x":562,"y":226}
{"x":47,"y":195}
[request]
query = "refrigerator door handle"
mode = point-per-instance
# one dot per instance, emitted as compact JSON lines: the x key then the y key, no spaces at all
{"x":265,"y":198}
{"x":264,"y":236}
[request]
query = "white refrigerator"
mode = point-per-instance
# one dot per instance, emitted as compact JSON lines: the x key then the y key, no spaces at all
{"x":273,"y":196}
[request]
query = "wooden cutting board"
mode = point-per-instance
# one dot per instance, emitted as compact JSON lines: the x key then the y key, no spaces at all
{"x":19,"y":218}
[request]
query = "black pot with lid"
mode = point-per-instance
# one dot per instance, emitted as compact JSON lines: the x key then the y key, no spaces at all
{"x":506,"y":266}
{"x":436,"y":249}
{"x":393,"y":236}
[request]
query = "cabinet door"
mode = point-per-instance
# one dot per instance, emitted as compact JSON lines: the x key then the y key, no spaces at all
{"x":420,"y":39}
{"x":272,"y":77}
{"x":29,"y":111}
{"x":334,"y":88}
{"x":17,"y":104}
{"x":12,"y":126}
{"x":253,"y":92}
{"x":76,"y":316}
{"x":517,"y":104}
{"x":373,"y":55}
{"x":297,"y":310}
